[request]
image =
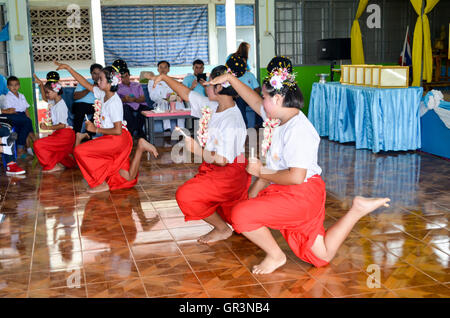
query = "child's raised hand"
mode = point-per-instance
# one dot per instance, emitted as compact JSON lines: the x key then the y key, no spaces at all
{"x":61,"y":66}
{"x":218,"y":80}
{"x":157,"y":79}
{"x":149,"y":75}
{"x":37,"y":80}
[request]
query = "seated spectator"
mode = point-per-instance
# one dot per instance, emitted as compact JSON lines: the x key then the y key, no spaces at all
{"x":161,"y":93}
{"x":133,"y":100}
{"x":191,"y":80}
{"x":84,"y":99}
{"x":16,"y":110}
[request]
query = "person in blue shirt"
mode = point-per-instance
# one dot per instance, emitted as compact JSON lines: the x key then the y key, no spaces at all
{"x":250,"y":80}
{"x":242,"y":51}
{"x":3,"y":88}
{"x":84,"y":99}
{"x":191,"y":82}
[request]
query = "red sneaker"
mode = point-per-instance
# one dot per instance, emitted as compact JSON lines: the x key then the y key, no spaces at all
{"x":13,"y":169}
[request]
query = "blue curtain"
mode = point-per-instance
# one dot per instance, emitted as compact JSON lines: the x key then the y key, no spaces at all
{"x":244,"y":15}
{"x":144,"y":35}
{"x":4,"y":33}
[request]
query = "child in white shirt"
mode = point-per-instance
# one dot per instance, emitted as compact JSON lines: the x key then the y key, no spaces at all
{"x":289,"y":194}
{"x":104,"y":161}
{"x":221,"y":180}
{"x":16,"y":110}
{"x":55,"y":151}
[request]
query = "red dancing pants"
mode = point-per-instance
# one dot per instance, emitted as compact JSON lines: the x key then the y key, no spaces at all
{"x":101,"y":159}
{"x":56,"y":148}
{"x":298,"y":211}
{"x":214,"y":189}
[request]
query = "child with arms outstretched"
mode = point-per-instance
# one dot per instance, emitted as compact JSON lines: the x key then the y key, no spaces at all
{"x":222,"y":180}
{"x":55,"y":151}
{"x":289,"y":194}
{"x":104,"y":161}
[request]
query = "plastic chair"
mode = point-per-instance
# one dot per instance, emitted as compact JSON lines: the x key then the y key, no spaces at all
{"x":14,"y":153}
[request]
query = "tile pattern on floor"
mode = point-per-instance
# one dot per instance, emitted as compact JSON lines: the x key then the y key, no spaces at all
{"x":58,"y":241}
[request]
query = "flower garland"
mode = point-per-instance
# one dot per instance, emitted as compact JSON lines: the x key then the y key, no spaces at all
{"x":98,"y":110}
{"x":269,"y":126}
{"x":172,"y":97}
{"x":48,"y":117}
{"x":202,"y":133}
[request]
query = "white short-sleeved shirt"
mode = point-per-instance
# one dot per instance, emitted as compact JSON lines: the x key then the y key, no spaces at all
{"x":295,"y":144}
{"x":112,"y":109}
{"x":19,"y":103}
{"x":226,"y":129}
{"x":160,"y":92}
{"x":58,"y":111}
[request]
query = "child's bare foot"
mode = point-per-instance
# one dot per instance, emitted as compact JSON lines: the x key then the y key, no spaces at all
{"x":80,"y":137}
{"x":269,"y":264}
{"x":146,"y":146}
{"x":101,"y":188}
{"x":363,"y":206}
{"x":215,"y":235}
{"x":58,"y":167}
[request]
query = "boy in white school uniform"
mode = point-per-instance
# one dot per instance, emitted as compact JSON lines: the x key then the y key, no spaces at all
{"x":16,"y":110}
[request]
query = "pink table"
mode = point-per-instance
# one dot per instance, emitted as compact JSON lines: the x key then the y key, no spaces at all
{"x":150,"y":117}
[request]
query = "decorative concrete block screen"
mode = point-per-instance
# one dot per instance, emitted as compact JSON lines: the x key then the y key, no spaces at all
{"x":144,"y":35}
{"x":54,"y":38}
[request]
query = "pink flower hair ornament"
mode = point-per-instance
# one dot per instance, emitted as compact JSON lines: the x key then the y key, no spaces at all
{"x":56,"y":87}
{"x":116,"y":80}
{"x":280,"y":77}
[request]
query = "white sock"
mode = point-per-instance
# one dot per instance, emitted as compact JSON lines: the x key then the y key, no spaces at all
{"x":7,"y":150}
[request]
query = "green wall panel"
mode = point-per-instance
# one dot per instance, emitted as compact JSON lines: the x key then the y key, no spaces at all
{"x":26,"y":88}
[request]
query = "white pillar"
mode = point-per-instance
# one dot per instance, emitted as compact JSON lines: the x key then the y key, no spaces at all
{"x":97,"y":32}
{"x":230,"y":25}
{"x":212,"y":38}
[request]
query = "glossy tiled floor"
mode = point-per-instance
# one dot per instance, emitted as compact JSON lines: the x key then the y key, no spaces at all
{"x":58,"y":241}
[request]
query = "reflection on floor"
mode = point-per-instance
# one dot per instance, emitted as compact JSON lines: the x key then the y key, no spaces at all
{"x":58,"y":241}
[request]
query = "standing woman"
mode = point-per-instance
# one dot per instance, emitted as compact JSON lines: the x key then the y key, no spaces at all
{"x":242,"y":51}
{"x":104,"y":161}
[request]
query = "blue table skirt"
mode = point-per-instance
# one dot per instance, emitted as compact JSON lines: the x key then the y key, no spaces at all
{"x":435,"y":135}
{"x":374,"y":118}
